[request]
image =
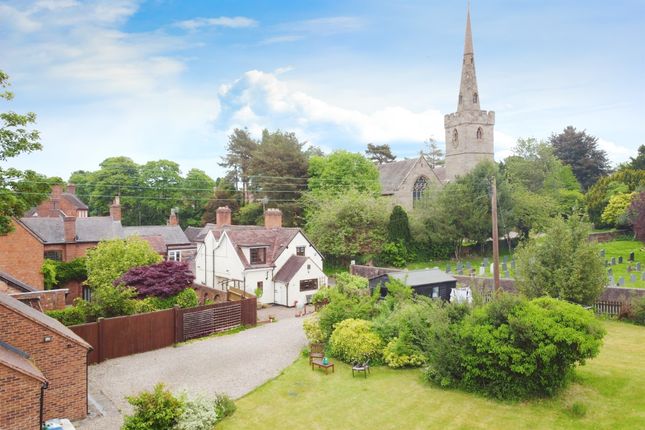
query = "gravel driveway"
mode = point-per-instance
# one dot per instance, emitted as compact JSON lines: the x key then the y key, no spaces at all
{"x":233,"y":364}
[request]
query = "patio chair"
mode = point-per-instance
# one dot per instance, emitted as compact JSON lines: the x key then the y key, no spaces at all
{"x":361,"y":367}
{"x":316,"y":351}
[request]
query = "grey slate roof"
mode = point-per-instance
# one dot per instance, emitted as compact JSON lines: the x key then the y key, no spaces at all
{"x":290,"y":268}
{"x":392,"y":174}
{"x":74,"y":200}
{"x":13,"y":282}
{"x":172,"y":234}
{"x":192,"y":233}
{"x":92,"y":229}
{"x":422,"y":277}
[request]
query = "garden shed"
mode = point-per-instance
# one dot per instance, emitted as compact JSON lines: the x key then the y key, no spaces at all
{"x":432,"y":283}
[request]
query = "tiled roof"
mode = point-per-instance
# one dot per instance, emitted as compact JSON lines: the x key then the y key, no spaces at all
{"x":157,"y":243}
{"x":91,"y":229}
{"x":13,"y":359}
{"x":192,"y":233}
{"x":172,"y":234}
{"x":274,"y":239}
{"x":289,"y":269}
{"x":41,"y":319}
{"x":13,"y":282}
{"x":422,"y":277}
{"x":74,"y":200}
{"x":392,"y":174}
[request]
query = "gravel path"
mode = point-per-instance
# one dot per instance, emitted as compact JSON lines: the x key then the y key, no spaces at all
{"x":233,"y":364}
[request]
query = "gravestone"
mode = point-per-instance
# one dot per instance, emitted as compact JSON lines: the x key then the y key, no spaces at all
{"x":613,"y":261}
{"x":632,"y":278}
{"x":482,"y":271}
{"x":621,"y":281}
{"x":611,"y":281}
{"x":504,"y":267}
{"x":631,"y":256}
{"x":460,"y":272}
{"x":643,"y":276}
{"x":468,"y":265}
{"x":505,"y":259}
{"x":459,"y":266}
{"x":638,"y":266}
{"x":610,"y":271}
{"x":492,"y":268}
{"x":506,"y":274}
{"x":620,"y":259}
{"x":485,"y":262}
{"x":602,"y":252}
{"x":629,"y":268}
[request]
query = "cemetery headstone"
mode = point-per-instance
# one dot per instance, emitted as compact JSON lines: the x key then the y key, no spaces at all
{"x":621,"y":281}
{"x":620,"y":259}
{"x":468,"y":265}
{"x":505,"y":259}
{"x":485,"y":262}
{"x":610,"y":271}
{"x":459,"y":266}
{"x":504,"y":266}
{"x":638,"y":266}
{"x":447,"y":268}
{"x":613,"y":261}
{"x":492,"y":268}
{"x":631,"y":256}
{"x":629,"y":268}
{"x":602,"y":252}
{"x":506,"y":274}
{"x":643,"y":276}
{"x":611,"y":281}
{"x":632,"y":278}
{"x":482,"y":271}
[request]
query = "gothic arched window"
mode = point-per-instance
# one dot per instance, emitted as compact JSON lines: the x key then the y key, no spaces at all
{"x":480,"y":133}
{"x":475,"y":98}
{"x":419,"y":187}
{"x":455,"y":138}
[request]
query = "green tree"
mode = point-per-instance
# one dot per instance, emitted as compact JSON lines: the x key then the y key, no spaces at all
{"x":348,"y":225}
{"x":434,"y":155}
{"x":380,"y":154}
{"x":160,"y":191}
{"x":580,"y":151}
{"x":615,"y":213}
{"x":19,"y":190}
{"x":623,"y":181}
{"x":341,"y":171}
{"x":637,"y":163}
{"x":112,"y":258}
{"x":398,"y":229}
{"x":223,"y":195}
{"x":197,"y":189}
{"x":562,"y":264}
{"x":250,"y":214}
{"x":239,"y":153}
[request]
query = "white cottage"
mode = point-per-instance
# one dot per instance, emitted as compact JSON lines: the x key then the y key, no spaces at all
{"x":280,"y":261}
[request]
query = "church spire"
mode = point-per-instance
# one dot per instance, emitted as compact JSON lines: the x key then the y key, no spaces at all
{"x":468,"y":93}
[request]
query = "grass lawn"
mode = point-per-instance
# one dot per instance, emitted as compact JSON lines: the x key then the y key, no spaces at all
{"x":611,"y":387}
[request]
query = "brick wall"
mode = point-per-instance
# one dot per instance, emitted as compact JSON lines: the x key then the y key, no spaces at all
{"x":21,"y":255}
{"x":4,"y":288}
{"x":19,"y":400}
{"x":48,"y":300}
{"x":63,"y":362}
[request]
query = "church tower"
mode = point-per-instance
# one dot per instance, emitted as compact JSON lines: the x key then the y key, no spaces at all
{"x":469,"y":131}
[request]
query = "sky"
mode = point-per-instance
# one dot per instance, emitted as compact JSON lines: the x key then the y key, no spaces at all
{"x":170,"y":79}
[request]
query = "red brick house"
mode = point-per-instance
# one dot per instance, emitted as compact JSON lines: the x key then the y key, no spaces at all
{"x":58,"y":354}
{"x":59,"y":202}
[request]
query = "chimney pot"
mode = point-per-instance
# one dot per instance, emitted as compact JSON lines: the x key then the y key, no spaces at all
{"x":273,"y":218}
{"x":223,"y":216}
{"x":71,"y":188}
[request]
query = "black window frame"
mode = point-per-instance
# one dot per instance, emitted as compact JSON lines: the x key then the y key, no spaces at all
{"x":300,"y":250}
{"x":57,"y":252}
{"x":307,"y":283}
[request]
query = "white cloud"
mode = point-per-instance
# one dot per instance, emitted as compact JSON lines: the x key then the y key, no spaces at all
{"x":616,"y":153}
{"x":222,"y":21}
{"x":281,"y":39}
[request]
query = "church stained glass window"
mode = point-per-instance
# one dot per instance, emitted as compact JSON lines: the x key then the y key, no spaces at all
{"x":419,"y":187}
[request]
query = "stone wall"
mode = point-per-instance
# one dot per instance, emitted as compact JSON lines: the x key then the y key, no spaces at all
{"x":403,"y":196}
{"x":607,"y":236}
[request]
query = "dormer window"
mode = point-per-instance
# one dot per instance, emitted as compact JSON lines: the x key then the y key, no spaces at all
{"x":300,"y":250}
{"x":258,"y":255}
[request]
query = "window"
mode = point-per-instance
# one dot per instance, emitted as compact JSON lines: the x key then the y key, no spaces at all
{"x":308,"y":284}
{"x":435,"y":292}
{"x":258,"y":255}
{"x":475,"y":98}
{"x":480,"y":133}
{"x":54,"y":255}
{"x":419,"y":186}
{"x":461,"y":99}
{"x":455,"y":138}
{"x":300,"y":250}
{"x":174,"y":255}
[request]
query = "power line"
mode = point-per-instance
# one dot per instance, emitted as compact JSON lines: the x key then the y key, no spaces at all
{"x":146,"y":198}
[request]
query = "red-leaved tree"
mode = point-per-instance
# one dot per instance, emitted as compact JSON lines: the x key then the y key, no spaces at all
{"x":160,"y":280}
{"x":636,"y":214}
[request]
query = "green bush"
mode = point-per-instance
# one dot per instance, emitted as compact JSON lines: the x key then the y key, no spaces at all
{"x":187,"y":298}
{"x":354,"y":341}
{"x":399,"y":353}
{"x":638,"y":310}
{"x":224,"y":406}
{"x":342,"y":307}
{"x":156,"y":410}
{"x":312,"y":330}
{"x":198,"y":414}
{"x":71,"y":315}
{"x":514,"y":349}
{"x":394,"y":254}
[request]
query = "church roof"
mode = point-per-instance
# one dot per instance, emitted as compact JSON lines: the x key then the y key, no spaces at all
{"x":392,"y":174}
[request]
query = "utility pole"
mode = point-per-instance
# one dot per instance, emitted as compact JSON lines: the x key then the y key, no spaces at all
{"x":495,"y":234}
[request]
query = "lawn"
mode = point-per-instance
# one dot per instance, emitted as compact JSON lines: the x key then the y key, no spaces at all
{"x":610,"y":387}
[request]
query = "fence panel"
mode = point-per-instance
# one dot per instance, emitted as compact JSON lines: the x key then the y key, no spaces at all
{"x":608,"y":308}
{"x":204,"y":320}
{"x":90,"y":333}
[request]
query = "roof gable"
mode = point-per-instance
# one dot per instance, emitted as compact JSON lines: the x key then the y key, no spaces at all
{"x":290,"y":268}
{"x":14,"y":359}
{"x":392,"y":175}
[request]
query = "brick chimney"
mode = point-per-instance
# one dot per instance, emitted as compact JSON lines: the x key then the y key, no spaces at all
{"x":69,"y":223}
{"x":223,"y":216}
{"x":57,"y":190}
{"x":115,"y":209}
{"x":173,"y":219}
{"x":273,"y":218}
{"x":71,"y":188}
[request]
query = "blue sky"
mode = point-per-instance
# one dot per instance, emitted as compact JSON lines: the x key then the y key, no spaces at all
{"x":170,"y":79}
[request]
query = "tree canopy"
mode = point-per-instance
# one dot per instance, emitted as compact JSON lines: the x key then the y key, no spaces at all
{"x":580,"y":151}
{"x":621,"y":182}
{"x":164,"y":279}
{"x":380,"y":154}
{"x":341,"y":171}
{"x":19,"y":190}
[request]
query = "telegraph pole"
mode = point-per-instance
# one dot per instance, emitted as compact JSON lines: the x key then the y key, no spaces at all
{"x":495,"y":234}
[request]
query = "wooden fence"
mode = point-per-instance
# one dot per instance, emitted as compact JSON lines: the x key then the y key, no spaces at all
{"x":608,"y":308}
{"x":132,"y":334}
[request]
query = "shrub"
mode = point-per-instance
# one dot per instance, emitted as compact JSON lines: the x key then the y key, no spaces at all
{"x":354,"y":341}
{"x":342,"y":307}
{"x":312,"y":330}
{"x":321,"y":296}
{"x":638,"y":310}
{"x":187,"y":298}
{"x":71,"y":315}
{"x":394,"y":254}
{"x":224,"y":406}
{"x":198,"y":414}
{"x":162,"y":280}
{"x":399,"y":353}
{"x":513,"y":349}
{"x":156,"y":410}
{"x":57,"y":273}
{"x":108,"y":301}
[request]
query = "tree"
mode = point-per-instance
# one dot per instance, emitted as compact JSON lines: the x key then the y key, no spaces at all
{"x":341,"y":171}
{"x":637,"y":163}
{"x":349,"y":225}
{"x":159,"y":192}
{"x":580,"y":151}
{"x":164,"y":279}
{"x":19,"y":190}
{"x":636,"y":215}
{"x":615,"y":213}
{"x":623,"y":181}
{"x":223,"y":195}
{"x":240,"y":149}
{"x":434,"y":155}
{"x":562,"y":264}
{"x":398,"y":229}
{"x":197,"y":189}
{"x":380,"y":154}
{"x":112,"y":258}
